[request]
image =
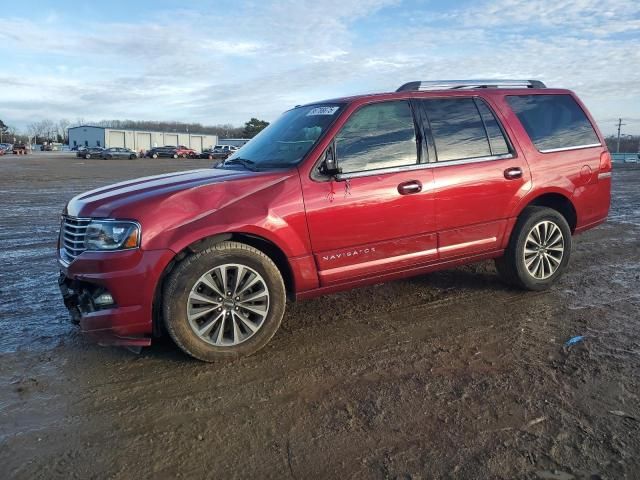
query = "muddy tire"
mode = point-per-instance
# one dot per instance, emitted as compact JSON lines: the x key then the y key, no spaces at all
{"x":538,"y":250}
{"x":224,"y":302}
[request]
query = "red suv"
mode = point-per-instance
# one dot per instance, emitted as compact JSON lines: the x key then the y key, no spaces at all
{"x":335,"y":195}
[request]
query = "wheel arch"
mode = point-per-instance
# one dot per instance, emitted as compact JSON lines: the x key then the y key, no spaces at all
{"x":269,"y":248}
{"x":559,"y":201}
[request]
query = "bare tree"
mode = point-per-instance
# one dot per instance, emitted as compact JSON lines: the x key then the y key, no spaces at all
{"x":47,"y":128}
{"x":33,"y":129}
{"x":63,"y":130}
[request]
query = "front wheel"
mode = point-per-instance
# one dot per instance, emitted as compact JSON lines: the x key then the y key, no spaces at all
{"x":538,"y":250}
{"x":224,"y":302}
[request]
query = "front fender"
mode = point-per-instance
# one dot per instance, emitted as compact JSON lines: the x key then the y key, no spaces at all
{"x":272,"y":209}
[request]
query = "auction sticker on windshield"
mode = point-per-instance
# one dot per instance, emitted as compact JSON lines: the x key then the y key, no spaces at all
{"x":322,"y":111}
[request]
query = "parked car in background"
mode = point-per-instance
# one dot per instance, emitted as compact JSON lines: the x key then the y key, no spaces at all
{"x":167,"y":151}
{"x":90,"y":152}
{"x":46,"y":147}
{"x":224,"y":151}
{"x":335,"y":195}
{"x":207,"y":153}
{"x":185,"y":152}
{"x":20,"y":149}
{"x":118,"y":152}
{"x":6,"y":148}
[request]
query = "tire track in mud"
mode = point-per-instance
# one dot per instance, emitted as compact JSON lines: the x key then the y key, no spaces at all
{"x":438,"y":376}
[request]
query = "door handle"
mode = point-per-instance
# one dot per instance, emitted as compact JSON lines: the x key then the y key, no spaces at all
{"x":513,"y":173}
{"x":407,"y":188}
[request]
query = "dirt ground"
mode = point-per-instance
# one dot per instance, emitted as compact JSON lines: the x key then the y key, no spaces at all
{"x":447,"y":375}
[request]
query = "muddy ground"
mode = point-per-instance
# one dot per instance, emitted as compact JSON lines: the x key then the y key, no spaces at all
{"x":447,"y":375}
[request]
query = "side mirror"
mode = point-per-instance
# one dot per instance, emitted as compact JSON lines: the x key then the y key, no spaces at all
{"x":330,"y":164}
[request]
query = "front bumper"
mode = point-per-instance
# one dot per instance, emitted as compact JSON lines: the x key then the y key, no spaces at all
{"x":130,"y":276}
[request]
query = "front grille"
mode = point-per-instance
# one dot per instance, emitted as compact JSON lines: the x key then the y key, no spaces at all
{"x":72,"y":235}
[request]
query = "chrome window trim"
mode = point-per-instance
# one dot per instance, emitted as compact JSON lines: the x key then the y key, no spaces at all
{"x":564,"y":149}
{"x":420,"y":166}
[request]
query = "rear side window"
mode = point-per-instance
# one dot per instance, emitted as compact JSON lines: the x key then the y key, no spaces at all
{"x":380,"y":135}
{"x":553,"y":122}
{"x":497,"y":142}
{"x":457,"y":129}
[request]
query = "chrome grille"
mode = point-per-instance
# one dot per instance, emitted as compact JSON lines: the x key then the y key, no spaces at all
{"x":72,"y":235}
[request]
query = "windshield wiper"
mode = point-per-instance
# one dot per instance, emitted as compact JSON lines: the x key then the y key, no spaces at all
{"x":248,"y":164}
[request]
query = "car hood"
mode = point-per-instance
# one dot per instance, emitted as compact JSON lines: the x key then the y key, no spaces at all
{"x":126,"y":199}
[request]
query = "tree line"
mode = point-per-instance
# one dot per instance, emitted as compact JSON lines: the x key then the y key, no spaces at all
{"x":51,"y":131}
{"x":628,"y":143}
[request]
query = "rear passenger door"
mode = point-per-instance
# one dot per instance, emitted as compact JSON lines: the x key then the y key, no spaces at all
{"x":478,"y":175}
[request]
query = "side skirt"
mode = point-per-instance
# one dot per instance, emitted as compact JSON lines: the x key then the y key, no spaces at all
{"x":409,"y":272}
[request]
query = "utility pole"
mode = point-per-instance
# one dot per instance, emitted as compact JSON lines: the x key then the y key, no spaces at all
{"x":620,"y":124}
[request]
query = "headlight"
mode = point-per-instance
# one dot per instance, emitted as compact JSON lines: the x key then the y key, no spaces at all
{"x":112,"y":235}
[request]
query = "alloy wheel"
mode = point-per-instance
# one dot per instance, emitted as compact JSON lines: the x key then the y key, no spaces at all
{"x":228,"y":305}
{"x":543,"y":249}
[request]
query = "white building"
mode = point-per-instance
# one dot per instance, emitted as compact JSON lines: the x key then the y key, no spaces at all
{"x":236,"y":142}
{"x":89,"y":136}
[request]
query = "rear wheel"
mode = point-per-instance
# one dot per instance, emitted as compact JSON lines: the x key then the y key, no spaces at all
{"x":538,"y":251}
{"x":224,"y":302}
{"x":155,"y":155}
{"x":175,"y":155}
{"x":87,"y":156}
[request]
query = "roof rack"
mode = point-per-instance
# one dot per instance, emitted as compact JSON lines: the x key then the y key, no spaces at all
{"x":466,"y":84}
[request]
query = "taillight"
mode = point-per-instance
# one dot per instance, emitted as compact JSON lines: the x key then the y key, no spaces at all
{"x":605,"y":161}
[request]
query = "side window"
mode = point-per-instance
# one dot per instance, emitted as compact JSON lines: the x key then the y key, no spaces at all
{"x":497,"y":142}
{"x":458,"y":132}
{"x":380,"y":135}
{"x":553,"y":121}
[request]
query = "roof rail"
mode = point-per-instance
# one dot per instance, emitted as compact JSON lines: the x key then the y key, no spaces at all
{"x":466,"y":84}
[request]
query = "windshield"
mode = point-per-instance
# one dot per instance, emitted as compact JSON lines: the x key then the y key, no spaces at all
{"x":286,"y":141}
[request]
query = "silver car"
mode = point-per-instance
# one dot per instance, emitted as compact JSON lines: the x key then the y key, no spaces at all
{"x":117,"y":152}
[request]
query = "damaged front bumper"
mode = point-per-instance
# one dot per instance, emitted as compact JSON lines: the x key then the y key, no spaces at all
{"x":110,"y":295}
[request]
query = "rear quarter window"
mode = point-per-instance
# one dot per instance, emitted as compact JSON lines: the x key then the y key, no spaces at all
{"x":553,"y":122}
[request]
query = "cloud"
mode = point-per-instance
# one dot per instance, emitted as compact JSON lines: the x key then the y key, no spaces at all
{"x":260,"y":58}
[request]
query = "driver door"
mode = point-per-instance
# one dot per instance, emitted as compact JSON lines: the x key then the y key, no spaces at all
{"x":379,"y":216}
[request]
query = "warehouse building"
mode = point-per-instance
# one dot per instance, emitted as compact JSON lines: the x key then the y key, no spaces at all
{"x":90,"y":136}
{"x":235,"y":142}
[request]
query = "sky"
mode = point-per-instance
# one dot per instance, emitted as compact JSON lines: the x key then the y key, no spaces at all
{"x":223,"y":61}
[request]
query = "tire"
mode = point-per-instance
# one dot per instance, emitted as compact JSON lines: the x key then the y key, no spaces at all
{"x":155,"y":155}
{"x":236,"y":339}
{"x":87,"y":156}
{"x":543,"y":263}
{"x":132,"y":157}
{"x":175,"y":155}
